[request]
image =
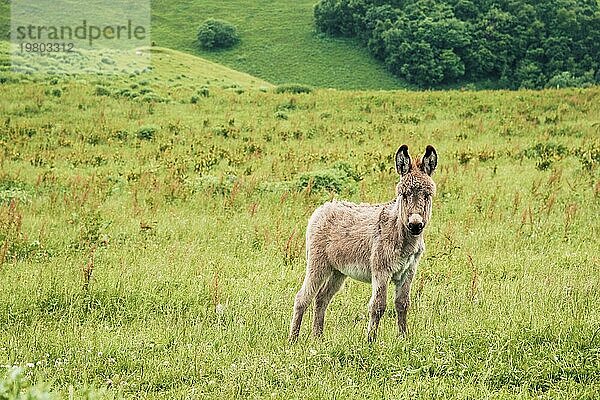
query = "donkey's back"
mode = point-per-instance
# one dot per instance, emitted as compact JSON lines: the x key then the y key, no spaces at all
{"x":340,"y":237}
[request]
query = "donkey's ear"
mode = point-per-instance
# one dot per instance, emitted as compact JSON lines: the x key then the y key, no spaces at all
{"x":403,"y":162}
{"x":429,"y":160}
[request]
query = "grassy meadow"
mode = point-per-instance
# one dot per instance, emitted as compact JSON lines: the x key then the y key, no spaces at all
{"x":278,"y":43}
{"x":152,"y":229}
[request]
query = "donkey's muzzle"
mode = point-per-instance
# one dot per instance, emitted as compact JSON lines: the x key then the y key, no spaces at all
{"x":416,"y":228}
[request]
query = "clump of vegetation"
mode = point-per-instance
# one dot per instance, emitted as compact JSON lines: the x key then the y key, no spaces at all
{"x":9,"y":78}
{"x":518,"y":44}
{"x":203,"y":91}
{"x":589,"y":156}
{"x":546,"y":154}
{"x":102,"y":91}
{"x":153,"y":98}
{"x":217,"y":34}
{"x":15,"y":386}
{"x":567,"y":79}
{"x":279,"y":114}
{"x":341,"y":177}
{"x":294,"y":88}
{"x":146,"y":132}
{"x":288,"y":105}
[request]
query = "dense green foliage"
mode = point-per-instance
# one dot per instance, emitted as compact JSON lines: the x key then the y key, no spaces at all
{"x":153,"y":249}
{"x":516,"y":43}
{"x":217,"y":34}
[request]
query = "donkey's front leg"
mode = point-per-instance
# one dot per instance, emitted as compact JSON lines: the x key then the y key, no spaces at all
{"x":377,"y":303}
{"x":402,"y":301}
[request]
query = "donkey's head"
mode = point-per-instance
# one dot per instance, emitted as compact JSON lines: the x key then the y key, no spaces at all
{"x":416,"y":188}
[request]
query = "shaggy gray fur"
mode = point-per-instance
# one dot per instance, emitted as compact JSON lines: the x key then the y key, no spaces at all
{"x":372,"y":243}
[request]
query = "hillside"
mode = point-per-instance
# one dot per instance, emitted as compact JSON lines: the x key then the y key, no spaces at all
{"x":174,"y":70}
{"x":279,"y":43}
{"x":152,"y":244}
{"x":172,"y":65}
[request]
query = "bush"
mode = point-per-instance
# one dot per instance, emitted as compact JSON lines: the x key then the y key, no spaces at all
{"x":203,"y":91}
{"x":146,"y":132}
{"x":293,"y":88}
{"x":217,"y":34}
{"x":102,"y":91}
{"x":546,"y":154}
{"x":340,"y":177}
{"x":567,"y":79}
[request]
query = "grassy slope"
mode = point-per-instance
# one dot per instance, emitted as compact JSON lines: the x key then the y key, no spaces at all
{"x":199,"y":236}
{"x":171,"y":64}
{"x":178,"y":70}
{"x":278,"y":43}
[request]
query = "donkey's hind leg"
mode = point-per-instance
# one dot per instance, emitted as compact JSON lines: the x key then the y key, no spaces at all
{"x":324,"y":296}
{"x":316,"y":274}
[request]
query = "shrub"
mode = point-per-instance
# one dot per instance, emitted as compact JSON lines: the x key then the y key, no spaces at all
{"x":146,"y":132}
{"x":203,"y":91}
{"x":153,"y":98}
{"x":217,"y":34}
{"x":546,"y":154}
{"x":589,"y":156}
{"x":281,"y":115}
{"x":340,"y":177}
{"x":567,"y":79}
{"x":102,"y":91}
{"x":293,"y":88}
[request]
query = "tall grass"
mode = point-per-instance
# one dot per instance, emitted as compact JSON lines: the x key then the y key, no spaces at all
{"x":164,"y":265}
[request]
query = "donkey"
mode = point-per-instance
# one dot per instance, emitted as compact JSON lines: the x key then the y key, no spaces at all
{"x":372,"y":243}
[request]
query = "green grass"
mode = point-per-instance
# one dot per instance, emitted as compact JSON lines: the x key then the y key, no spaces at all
{"x":279,"y":43}
{"x":172,"y":65}
{"x":170,"y":68}
{"x":190,"y":217}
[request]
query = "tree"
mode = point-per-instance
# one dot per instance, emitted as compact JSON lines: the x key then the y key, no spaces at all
{"x":517,"y":43}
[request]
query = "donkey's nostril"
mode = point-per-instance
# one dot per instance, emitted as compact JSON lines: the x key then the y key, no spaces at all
{"x":415,"y":227}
